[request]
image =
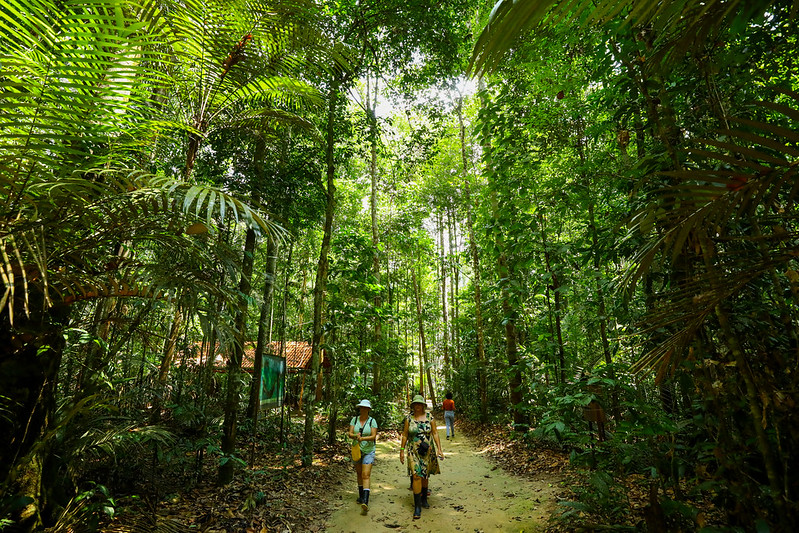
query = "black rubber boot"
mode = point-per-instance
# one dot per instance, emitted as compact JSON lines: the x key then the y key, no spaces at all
{"x":417,"y":505}
{"x":360,"y":494}
{"x":365,"y":501}
{"x":424,"y":498}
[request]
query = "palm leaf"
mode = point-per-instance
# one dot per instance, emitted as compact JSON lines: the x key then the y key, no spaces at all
{"x":741,"y":197}
{"x":80,"y":82}
{"x":75,"y":259}
{"x":679,"y":25}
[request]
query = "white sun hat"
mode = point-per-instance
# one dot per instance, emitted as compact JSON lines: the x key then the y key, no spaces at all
{"x":365,"y":403}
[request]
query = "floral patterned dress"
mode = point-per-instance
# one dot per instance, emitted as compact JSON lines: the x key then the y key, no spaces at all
{"x":418,"y":432}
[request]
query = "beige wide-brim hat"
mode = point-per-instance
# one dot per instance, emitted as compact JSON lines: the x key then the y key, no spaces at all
{"x":418,"y":399}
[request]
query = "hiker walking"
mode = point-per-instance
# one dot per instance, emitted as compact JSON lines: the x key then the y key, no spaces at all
{"x":363,"y":432}
{"x":449,"y":415}
{"x":420,"y":440}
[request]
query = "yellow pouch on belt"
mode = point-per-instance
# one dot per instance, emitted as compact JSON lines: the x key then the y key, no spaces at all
{"x":356,"y":452}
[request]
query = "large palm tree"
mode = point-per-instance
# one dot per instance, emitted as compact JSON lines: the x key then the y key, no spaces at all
{"x":84,"y":113}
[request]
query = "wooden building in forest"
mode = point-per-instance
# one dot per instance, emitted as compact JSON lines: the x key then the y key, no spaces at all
{"x":298,"y":366}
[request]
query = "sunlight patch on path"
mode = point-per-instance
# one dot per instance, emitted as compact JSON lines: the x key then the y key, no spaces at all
{"x":469,"y":495}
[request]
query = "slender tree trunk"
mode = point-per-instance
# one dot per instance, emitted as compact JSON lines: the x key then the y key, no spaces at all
{"x":305,"y":261}
{"x":169,"y":345}
{"x":423,"y":363}
{"x":95,"y":352}
{"x":515,"y":381}
{"x":334,"y":386}
{"x":229,"y":426}
{"x":378,"y":325}
{"x":758,"y":416}
{"x":482,"y":385}
{"x":454,"y":286}
{"x":603,"y":318}
{"x":554,"y":286}
{"x":320,"y":287}
{"x":97,"y":355}
{"x":600,"y":292}
{"x":264,"y":328}
{"x":444,"y":307}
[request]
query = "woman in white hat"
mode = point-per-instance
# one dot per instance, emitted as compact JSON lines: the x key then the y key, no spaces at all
{"x":363,"y":429}
{"x":420,"y":439}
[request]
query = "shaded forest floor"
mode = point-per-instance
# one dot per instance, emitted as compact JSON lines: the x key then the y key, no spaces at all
{"x":472,"y":494}
{"x":276,"y":494}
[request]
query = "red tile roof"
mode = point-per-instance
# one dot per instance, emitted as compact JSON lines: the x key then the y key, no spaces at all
{"x":298,"y":356}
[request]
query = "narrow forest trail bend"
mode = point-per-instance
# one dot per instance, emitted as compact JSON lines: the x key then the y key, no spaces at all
{"x":470,"y":495}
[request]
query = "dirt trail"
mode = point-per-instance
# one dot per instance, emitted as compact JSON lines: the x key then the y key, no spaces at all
{"x":470,"y":495}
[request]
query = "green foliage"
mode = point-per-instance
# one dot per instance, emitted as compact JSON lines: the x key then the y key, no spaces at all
{"x":602,"y":497}
{"x":88,"y":508}
{"x":678,"y":27}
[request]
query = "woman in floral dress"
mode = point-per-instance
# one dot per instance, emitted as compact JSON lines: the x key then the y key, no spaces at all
{"x":420,"y":441}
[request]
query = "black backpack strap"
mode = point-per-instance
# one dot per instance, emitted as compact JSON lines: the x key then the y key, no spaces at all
{"x":368,"y":421}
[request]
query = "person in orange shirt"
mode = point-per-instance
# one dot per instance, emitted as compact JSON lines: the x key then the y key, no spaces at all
{"x":449,"y":415}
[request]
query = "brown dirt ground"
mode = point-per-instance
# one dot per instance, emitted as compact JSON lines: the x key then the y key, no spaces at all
{"x":472,"y":493}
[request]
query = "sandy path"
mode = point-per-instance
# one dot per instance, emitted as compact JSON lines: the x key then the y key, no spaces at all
{"x":470,"y":495}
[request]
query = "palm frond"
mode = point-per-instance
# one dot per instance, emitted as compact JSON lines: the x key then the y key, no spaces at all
{"x":740,"y":196}
{"x":682,"y":24}
{"x":69,"y":250}
{"x":78,"y":82}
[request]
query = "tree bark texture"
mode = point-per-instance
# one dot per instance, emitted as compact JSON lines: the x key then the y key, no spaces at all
{"x":322,"y":269}
{"x":264,"y":328}
{"x":229,"y":426}
{"x":30,"y":357}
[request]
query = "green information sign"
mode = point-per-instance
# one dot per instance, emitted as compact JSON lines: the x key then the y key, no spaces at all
{"x":272,"y":381}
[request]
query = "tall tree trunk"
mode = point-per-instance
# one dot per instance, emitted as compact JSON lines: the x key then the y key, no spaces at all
{"x":482,"y":385}
{"x":95,"y":351}
{"x":597,"y":260}
{"x":554,"y":286}
{"x":304,"y":268}
{"x":30,"y":358}
{"x":509,"y":312}
{"x":378,"y":325}
{"x":335,"y":385}
{"x":169,"y":345}
{"x":97,"y":354}
{"x":264,"y":328}
{"x":320,"y":287}
{"x":229,"y":426}
{"x":444,"y":313}
{"x":423,"y":363}
{"x":758,"y":416}
{"x":454,"y":286}
{"x":509,"y":318}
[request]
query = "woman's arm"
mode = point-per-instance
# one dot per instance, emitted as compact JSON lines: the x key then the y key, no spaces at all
{"x":404,"y":441}
{"x":351,"y":432}
{"x":434,"y":431}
